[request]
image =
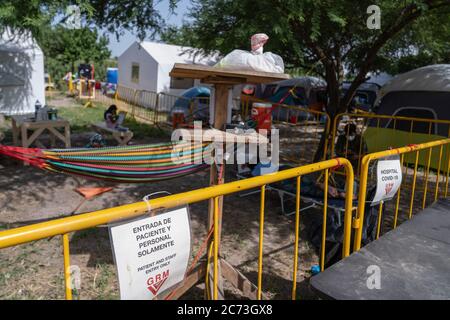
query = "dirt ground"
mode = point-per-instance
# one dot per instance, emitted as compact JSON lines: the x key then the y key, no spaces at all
{"x":35,"y":270}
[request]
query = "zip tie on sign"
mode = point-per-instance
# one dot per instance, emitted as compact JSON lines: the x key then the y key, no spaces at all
{"x":146,"y":198}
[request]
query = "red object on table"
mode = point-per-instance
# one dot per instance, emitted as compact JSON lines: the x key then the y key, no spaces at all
{"x":177,"y":119}
{"x":293,"y":119}
{"x":262,"y":115}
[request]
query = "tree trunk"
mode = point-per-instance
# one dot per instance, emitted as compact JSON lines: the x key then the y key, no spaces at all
{"x":334,"y":106}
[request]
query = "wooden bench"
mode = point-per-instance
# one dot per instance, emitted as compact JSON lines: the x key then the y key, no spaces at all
{"x":122,"y":137}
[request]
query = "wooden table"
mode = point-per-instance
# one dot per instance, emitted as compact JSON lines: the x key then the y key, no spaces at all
{"x":223,"y":80}
{"x":22,"y":124}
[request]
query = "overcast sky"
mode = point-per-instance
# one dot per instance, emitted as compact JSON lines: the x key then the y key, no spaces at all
{"x":117,"y":47}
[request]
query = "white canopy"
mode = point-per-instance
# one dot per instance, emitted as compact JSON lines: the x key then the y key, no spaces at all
{"x":429,"y":78}
{"x":21,"y":73}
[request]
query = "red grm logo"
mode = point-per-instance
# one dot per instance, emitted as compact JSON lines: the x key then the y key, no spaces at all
{"x":155,"y":283}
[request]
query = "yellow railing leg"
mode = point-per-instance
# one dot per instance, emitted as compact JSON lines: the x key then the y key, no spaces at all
{"x":324,"y":223}
{"x":297,"y":234}
{"x":216,"y":248}
{"x":261,"y":239}
{"x":67,"y":275}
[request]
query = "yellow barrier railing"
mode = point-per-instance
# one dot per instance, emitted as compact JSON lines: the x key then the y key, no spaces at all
{"x":412,"y":193}
{"x":64,"y":226}
{"x":375,"y":132}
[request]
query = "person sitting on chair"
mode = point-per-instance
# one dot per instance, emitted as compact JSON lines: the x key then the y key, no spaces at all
{"x":351,"y":145}
{"x":110,"y":116}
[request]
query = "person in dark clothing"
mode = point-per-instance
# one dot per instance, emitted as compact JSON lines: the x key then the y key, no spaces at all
{"x":110,"y":116}
{"x":351,"y":145}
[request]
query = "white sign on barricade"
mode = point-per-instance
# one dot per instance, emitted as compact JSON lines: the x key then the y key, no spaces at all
{"x":389,"y":179}
{"x":151,"y":253}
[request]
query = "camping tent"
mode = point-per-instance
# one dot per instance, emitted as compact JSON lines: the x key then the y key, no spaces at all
{"x":146,"y":66}
{"x":366,"y":94}
{"x":303,"y":90}
{"x":305,"y":93}
{"x":21,"y":73}
{"x":420,"y":93}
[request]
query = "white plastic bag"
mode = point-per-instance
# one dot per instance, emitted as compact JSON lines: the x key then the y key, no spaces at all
{"x":244,"y":60}
{"x":255,"y":60}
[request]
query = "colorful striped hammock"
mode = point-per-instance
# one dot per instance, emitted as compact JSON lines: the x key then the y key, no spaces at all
{"x":139,"y":163}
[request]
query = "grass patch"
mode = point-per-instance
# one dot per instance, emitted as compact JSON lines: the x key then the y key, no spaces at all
{"x":103,"y":285}
{"x":141,"y":130}
{"x":81,"y":118}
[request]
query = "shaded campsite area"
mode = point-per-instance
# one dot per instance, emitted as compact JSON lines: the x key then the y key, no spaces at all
{"x":215,"y":150}
{"x":33,"y":271}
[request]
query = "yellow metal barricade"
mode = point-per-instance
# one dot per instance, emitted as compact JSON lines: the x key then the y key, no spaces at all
{"x":376,"y":132}
{"x":64,"y":226}
{"x":418,"y":185}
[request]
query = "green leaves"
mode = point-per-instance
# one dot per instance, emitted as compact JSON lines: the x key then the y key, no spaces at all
{"x":114,"y":15}
{"x":65,"y":48}
{"x":333,"y":17}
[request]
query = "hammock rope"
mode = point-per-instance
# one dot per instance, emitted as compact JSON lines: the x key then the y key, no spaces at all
{"x":140,"y":163}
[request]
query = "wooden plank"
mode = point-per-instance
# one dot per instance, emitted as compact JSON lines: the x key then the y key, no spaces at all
{"x":45,"y":124}
{"x":67,"y":135}
{"x":239,"y":281}
{"x":15,"y":131}
{"x":220,"y":119}
{"x":33,"y":136}
{"x":24,"y":136}
{"x":57,"y":134}
{"x":195,"y":71}
{"x":223,"y":80}
{"x":196,"y":275}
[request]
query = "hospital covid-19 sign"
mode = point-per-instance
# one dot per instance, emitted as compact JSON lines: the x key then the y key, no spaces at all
{"x":389,"y":179}
{"x":151,"y":253}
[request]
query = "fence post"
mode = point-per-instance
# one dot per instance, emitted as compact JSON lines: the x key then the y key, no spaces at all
{"x":156,"y":108}
{"x":133,"y":104}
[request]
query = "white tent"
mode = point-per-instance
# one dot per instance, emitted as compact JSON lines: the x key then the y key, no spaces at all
{"x":146,"y":66}
{"x":21,"y":73}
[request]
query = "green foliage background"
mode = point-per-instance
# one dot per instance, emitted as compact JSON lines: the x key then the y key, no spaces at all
{"x":64,"y":49}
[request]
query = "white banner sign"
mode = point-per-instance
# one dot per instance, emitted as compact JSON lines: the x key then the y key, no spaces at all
{"x":389,"y":179}
{"x":151,"y":254}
